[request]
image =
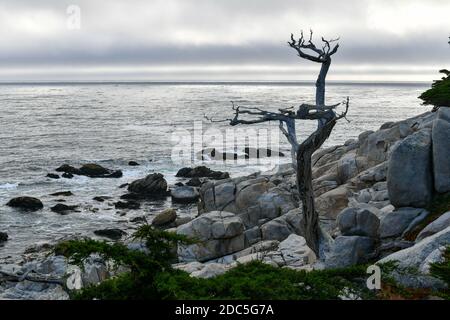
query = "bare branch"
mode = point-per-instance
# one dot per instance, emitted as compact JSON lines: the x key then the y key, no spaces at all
{"x":323,"y":54}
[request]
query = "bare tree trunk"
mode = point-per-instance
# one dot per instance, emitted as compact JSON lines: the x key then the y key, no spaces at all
{"x":306,"y":193}
{"x":304,"y":182}
{"x":320,"y":83}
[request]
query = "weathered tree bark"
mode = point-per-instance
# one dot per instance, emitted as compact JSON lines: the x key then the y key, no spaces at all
{"x":320,"y":83}
{"x":304,"y":182}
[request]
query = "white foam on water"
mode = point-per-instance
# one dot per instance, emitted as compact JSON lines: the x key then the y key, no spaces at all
{"x":9,"y":186}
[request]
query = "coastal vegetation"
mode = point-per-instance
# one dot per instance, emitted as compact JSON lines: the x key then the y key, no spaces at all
{"x":439,"y":94}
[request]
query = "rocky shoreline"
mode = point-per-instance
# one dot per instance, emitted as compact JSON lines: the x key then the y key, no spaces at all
{"x":372,"y":194}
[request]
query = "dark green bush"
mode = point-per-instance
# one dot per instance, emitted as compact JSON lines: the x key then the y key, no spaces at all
{"x":439,"y":94}
{"x":442,"y":271}
{"x":151,"y":275}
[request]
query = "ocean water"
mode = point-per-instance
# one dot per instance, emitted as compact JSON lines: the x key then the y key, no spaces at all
{"x":45,"y":125}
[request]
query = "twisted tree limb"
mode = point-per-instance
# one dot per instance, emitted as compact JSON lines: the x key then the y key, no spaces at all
{"x":327,"y":118}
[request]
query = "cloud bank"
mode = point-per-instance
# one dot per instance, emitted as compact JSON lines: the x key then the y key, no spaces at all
{"x":220,"y":39}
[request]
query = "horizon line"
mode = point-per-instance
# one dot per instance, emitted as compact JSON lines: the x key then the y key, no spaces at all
{"x":214,"y":82}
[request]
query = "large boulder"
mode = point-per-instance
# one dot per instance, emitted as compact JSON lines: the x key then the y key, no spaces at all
{"x":350,"y":250}
{"x":164,"y":218}
{"x":358,"y":222}
{"x":396,"y":223}
{"x":26,"y":203}
{"x":441,"y":150}
{"x":282,"y":227}
{"x":153,"y":185}
{"x":184,"y":194}
{"x":218,"y":233}
{"x":296,"y":252}
{"x":93,"y":170}
{"x":410,"y":177}
{"x":437,"y":225}
{"x":331,"y":203}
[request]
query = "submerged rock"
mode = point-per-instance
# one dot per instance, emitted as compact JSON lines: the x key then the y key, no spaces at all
{"x":114,"y":234}
{"x":127,"y":205}
{"x":26,"y":203}
{"x":133,"y":163}
{"x":3,"y":236}
{"x":101,"y":198}
{"x":91,"y":170}
{"x":68,"y":169}
{"x":62,"y":208}
{"x":62,"y":194}
{"x":202,"y":172}
{"x":52,"y":176}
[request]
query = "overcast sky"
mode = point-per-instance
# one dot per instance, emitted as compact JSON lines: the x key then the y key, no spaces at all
{"x":403,"y":40}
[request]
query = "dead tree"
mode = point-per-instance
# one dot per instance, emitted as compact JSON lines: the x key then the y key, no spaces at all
{"x":306,"y":49}
{"x":326,"y":117}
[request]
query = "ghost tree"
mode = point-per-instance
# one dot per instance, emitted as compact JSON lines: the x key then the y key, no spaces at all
{"x":301,"y":153}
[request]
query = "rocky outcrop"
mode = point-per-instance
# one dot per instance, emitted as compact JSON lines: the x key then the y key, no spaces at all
{"x":220,"y":233}
{"x":153,"y":185}
{"x":26,"y":203}
{"x":398,"y":222}
{"x":91,"y":170}
{"x":202,"y":172}
{"x":350,"y":250}
{"x":441,"y":150}
{"x":416,"y":255}
{"x":255,"y":199}
{"x":358,"y":222}
{"x":436,"y":226}
{"x":293,"y":252}
{"x":410,"y":175}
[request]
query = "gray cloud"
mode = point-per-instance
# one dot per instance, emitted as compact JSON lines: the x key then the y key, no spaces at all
{"x":206,"y":33}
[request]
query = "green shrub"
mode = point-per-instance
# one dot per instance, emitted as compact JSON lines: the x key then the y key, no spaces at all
{"x":442,"y":271}
{"x":439,"y":94}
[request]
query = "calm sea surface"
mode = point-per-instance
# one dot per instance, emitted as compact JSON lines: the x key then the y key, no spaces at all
{"x":45,"y":125}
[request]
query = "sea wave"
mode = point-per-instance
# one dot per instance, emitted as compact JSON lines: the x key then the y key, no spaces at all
{"x":9,"y":186}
